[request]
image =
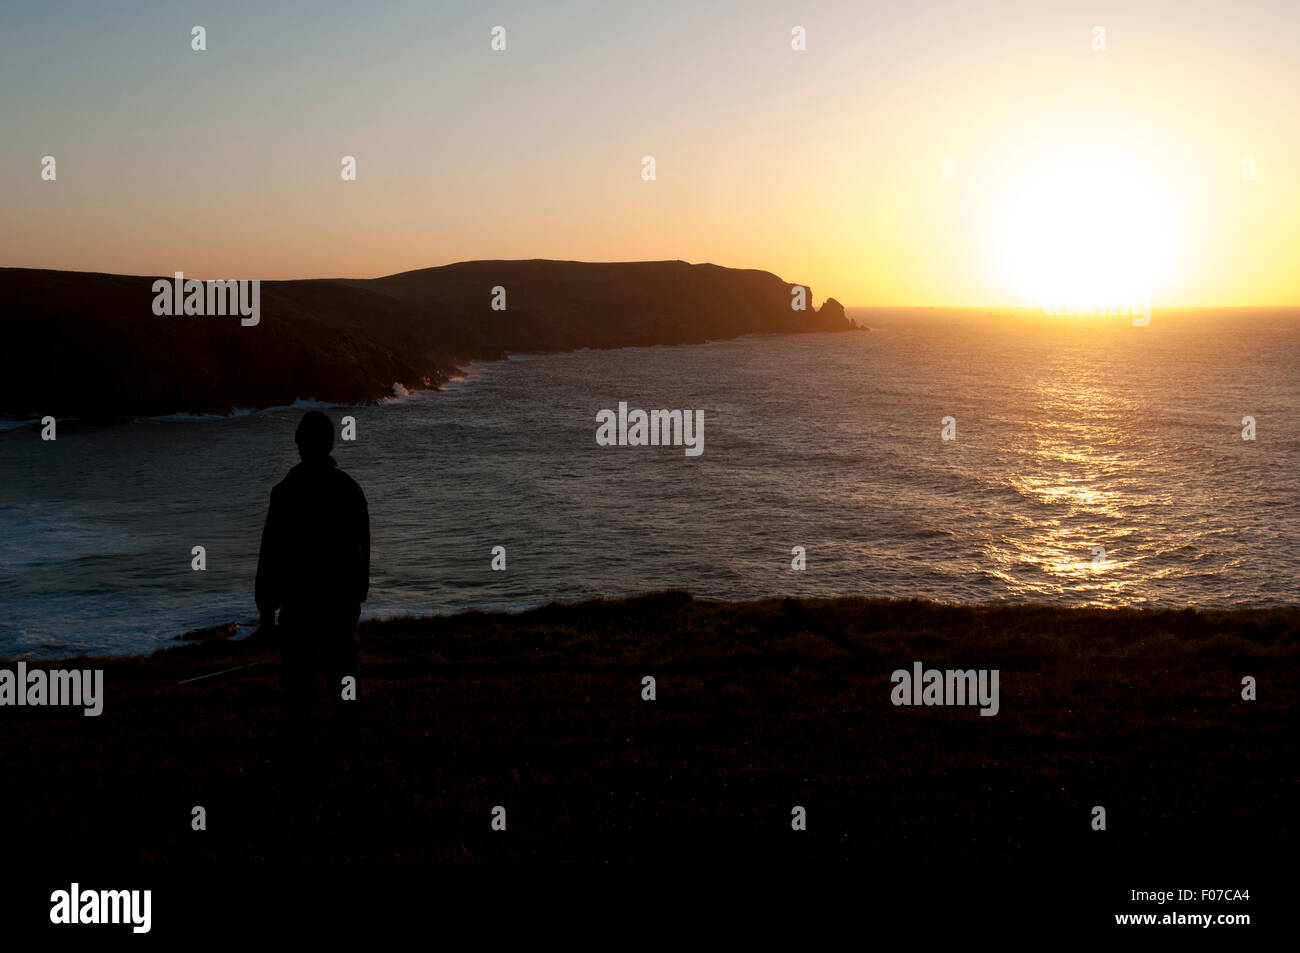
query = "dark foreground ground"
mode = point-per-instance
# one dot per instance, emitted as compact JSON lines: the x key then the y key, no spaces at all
{"x":761,"y":706}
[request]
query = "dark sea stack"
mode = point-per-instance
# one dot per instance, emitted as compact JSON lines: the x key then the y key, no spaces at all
{"x":831,"y":315}
{"x":88,"y":345}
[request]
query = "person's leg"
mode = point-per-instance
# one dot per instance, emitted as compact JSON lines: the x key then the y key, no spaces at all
{"x":341,"y":758}
{"x":344,"y":684}
{"x":298,"y":674}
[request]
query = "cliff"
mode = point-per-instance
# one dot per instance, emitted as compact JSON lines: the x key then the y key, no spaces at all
{"x":89,"y":345}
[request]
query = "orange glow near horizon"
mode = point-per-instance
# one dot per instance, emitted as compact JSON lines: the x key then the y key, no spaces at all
{"x":914,"y":155}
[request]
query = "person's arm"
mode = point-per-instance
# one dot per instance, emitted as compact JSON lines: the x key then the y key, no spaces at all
{"x":363,"y":536}
{"x":266,"y":589}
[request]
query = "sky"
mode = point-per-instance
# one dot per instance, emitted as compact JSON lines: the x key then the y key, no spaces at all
{"x":915,"y":153}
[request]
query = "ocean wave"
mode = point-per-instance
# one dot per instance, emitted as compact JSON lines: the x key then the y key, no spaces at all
{"x":13,"y":423}
{"x":302,"y":403}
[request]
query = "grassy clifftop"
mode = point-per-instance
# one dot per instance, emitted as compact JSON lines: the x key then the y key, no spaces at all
{"x":760,"y":707}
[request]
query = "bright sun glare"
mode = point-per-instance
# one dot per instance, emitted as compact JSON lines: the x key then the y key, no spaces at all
{"x":1086,"y":228}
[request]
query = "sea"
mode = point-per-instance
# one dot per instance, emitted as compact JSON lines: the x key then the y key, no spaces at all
{"x":960,"y":456}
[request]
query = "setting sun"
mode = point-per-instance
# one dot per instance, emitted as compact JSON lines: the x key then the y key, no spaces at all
{"x":1084,"y":228}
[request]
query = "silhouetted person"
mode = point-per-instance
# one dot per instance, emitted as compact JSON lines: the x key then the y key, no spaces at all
{"x":314,"y":567}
